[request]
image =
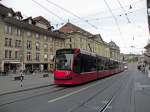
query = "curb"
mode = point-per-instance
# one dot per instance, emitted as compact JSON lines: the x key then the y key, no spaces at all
{"x":28,"y":89}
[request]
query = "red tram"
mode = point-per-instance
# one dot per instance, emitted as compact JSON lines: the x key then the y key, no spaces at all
{"x":76,"y":66}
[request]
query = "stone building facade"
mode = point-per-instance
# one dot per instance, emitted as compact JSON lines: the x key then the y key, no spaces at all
{"x":27,"y":44}
{"x":114,"y":51}
{"x":30,"y":44}
{"x":76,"y":37}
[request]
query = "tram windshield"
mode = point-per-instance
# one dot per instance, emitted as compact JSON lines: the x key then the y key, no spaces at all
{"x":64,"y":60}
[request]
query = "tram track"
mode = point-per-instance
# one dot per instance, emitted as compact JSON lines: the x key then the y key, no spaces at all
{"x":56,"y":89}
{"x":112,"y":98}
{"x":33,"y":96}
{"x":110,"y":101}
{"x":96,"y":94}
{"x":24,"y":90}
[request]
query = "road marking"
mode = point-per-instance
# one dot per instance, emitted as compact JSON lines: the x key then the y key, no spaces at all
{"x":72,"y":93}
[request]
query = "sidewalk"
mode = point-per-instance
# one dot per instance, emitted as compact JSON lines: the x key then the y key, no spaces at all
{"x":141,"y":91}
{"x":9,"y":85}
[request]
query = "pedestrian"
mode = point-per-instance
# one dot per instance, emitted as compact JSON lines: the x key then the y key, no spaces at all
{"x":21,"y":78}
{"x":149,"y":70}
{"x":146,"y":68}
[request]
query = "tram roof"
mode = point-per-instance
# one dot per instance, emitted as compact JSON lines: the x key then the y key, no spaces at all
{"x":89,"y":53}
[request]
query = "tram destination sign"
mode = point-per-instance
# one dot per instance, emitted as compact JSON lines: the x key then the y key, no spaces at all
{"x":64,"y":51}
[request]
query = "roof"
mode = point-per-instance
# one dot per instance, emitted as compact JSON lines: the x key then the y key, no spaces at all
{"x":18,"y":13}
{"x":147,"y":46}
{"x":24,"y":24}
{"x":26,"y":19}
{"x":42,"y":20}
{"x":31,"y":27}
{"x":113,"y":45}
{"x":98,"y":37}
{"x":70,"y":28}
{"x":5,"y":10}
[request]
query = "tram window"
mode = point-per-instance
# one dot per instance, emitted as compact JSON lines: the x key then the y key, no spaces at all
{"x":88,"y":63}
{"x":77,"y":64}
{"x":85,"y":63}
{"x":106,"y":65}
{"x":111,"y":65}
{"x":100,"y":64}
{"x":92,"y":64}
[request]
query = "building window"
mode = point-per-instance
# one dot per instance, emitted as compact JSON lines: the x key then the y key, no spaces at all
{"x":17,"y":55}
{"x":70,"y":40}
{"x":56,"y":43}
{"x":30,"y":21}
{"x":37,"y":36}
{"x":9,"y":14}
{"x":70,"y":45}
{"x":45,"y":38}
{"x":37,"y":46}
{"x":50,"y":39}
{"x":51,"y":49}
{"x":46,"y":47}
{"x":61,"y":44}
{"x":8,"y":54}
{"x":8,"y":29}
{"x":29,"y":45}
{"x":8,"y":42}
{"x":37,"y":56}
{"x":18,"y":43}
{"x":45,"y":57}
{"x":29,"y":34}
{"x":18,"y":32}
{"x":29,"y":56}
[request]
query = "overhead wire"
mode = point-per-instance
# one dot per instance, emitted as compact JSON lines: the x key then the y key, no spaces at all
{"x":118,"y":8}
{"x":100,"y":18}
{"x":46,"y":9}
{"x":124,"y":11}
{"x":116,"y":18}
{"x":68,"y":11}
{"x":86,"y":20}
{"x":113,"y":17}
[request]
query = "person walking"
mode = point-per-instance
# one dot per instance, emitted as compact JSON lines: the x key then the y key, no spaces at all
{"x":21,"y":78}
{"x":148,"y":70}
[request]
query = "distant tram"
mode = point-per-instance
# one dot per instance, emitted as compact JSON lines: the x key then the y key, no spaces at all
{"x":76,"y":66}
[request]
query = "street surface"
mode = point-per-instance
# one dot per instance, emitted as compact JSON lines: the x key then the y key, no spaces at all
{"x":9,"y":85}
{"x":128,"y":91}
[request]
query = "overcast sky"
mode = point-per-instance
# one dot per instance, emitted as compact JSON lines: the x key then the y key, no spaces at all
{"x":96,"y":18}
